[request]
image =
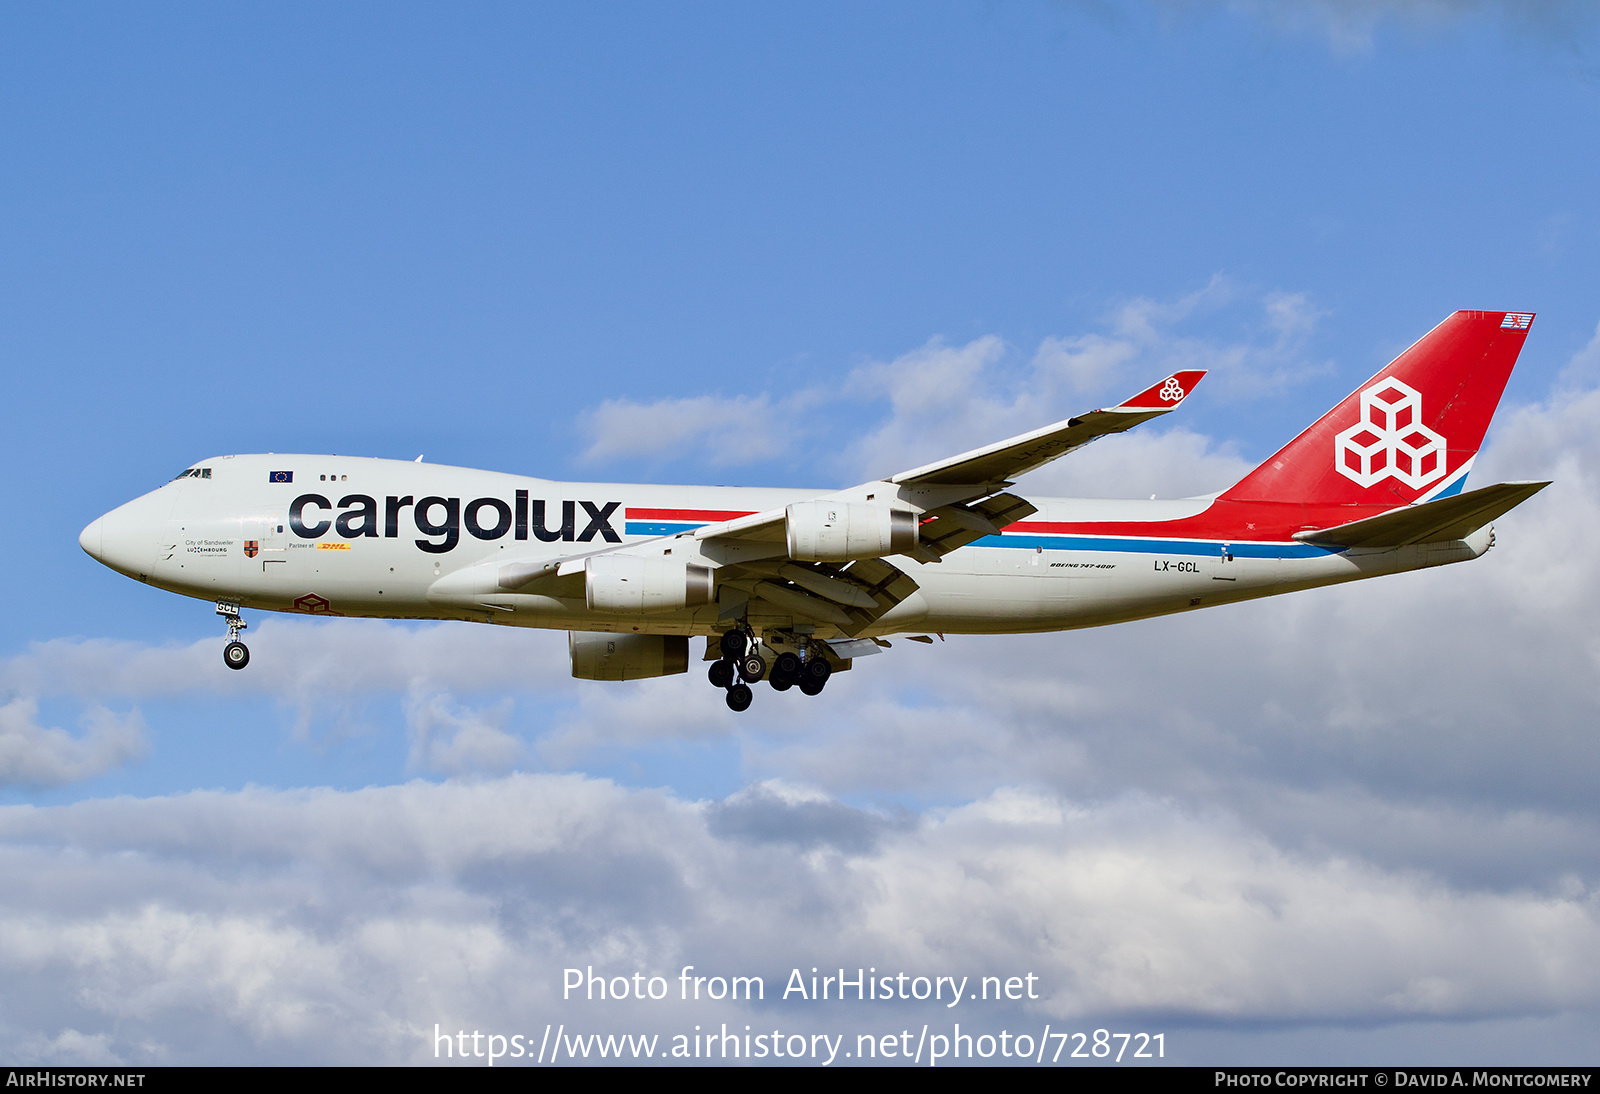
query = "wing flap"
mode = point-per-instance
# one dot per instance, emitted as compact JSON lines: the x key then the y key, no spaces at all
{"x":849,"y":596}
{"x":950,"y":527}
{"x":1436,"y":521}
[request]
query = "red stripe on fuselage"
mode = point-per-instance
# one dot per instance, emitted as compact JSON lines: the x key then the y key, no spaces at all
{"x":707,"y":516}
{"x":1222,"y":520}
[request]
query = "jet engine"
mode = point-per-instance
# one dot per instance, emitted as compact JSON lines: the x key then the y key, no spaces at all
{"x":832,"y":531}
{"x":628,"y":583}
{"x":599,"y":656}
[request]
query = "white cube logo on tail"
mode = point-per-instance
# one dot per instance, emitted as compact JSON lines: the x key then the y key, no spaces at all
{"x":1171,"y":391}
{"x":1390,"y":440}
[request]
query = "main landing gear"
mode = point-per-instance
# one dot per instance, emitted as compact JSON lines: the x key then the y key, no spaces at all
{"x":741,"y":665}
{"x":236,"y":655}
{"x":739,"y":658}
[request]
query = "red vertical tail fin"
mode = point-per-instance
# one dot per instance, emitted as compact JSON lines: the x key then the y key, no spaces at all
{"x":1409,"y":433}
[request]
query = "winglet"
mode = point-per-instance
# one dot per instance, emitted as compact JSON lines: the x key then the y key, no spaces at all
{"x":1166,"y":394}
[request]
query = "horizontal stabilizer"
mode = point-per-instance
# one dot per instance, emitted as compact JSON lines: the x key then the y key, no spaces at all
{"x":1436,"y":521}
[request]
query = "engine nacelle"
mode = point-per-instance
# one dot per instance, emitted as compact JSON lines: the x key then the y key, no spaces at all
{"x":836,"y":531}
{"x":599,"y":656}
{"x":628,"y":583}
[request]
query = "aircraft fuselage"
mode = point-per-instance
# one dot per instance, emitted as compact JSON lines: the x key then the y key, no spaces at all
{"x":340,"y":535}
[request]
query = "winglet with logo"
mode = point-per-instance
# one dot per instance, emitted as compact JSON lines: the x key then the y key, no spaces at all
{"x":1167,"y":394}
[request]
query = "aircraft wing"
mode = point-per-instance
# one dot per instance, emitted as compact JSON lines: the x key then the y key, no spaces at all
{"x":954,"y":502}
{"x":982,"y":471}
{"x":1434,"y":521}
{"x":849,"y":595}
{"x":1006,"y":460}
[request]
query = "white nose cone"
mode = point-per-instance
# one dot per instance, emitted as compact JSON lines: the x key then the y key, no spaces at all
{"x":126,"y":538}
{"x":89,"y":539}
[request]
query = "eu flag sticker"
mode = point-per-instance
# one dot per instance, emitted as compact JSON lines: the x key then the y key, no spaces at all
{"x":280,"y":476}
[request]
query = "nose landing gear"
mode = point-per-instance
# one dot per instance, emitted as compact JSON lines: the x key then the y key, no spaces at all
{"x":236,"y":655}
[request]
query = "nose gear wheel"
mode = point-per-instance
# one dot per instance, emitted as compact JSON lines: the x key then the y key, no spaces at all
{"x":236,"y":655}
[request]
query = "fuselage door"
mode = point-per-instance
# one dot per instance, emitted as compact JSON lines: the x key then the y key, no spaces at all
{"x":266,"y":544}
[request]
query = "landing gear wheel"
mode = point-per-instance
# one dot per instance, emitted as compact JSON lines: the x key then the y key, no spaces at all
{"x":752,"y":668}
{"x":812,"y":686}
{"x":739,"y":697}
{"x":788,"y":665}
{"x":734,"y":645}
{"x":721,"y":674}
{"x":780,"y":683}
{"x":819,"y":670}
{"x":236,"y":655}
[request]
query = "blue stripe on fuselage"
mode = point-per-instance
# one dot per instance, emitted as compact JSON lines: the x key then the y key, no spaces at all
{"x":657,"y":527}
{"x":1020,"y":541}
{"x":1157,"y":546}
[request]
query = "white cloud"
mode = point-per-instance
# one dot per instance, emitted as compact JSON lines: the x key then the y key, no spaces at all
{"x":638,"y":713}
{"x":33,"y":755}
{"x":71,"y":1048}
{"x":1084,"y":362}
{"x":944,"y":399}
{"x":339,"y":927}
{"x":723,"y":431}
{"x":453,"y":740}
{"x":940,"y":398}
{"x":323,"y":672}
{"x":1172,"y":463}
{"x":310,"y":665}
{"x":1583,"y":371}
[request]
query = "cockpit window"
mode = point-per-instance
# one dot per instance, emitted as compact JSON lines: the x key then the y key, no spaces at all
{"x":193,"y":473}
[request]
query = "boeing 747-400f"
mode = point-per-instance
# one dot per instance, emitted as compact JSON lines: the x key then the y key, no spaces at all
{"x":789,"y":586}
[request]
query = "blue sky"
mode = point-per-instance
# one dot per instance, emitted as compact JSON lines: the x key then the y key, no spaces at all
{"x":523,"y":238}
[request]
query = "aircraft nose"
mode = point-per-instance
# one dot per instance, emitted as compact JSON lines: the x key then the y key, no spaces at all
{"x":126,"y":538}
{"x":92,"y":538}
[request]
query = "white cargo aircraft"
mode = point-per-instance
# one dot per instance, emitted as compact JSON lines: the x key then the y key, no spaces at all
{"x":789,"y":586}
